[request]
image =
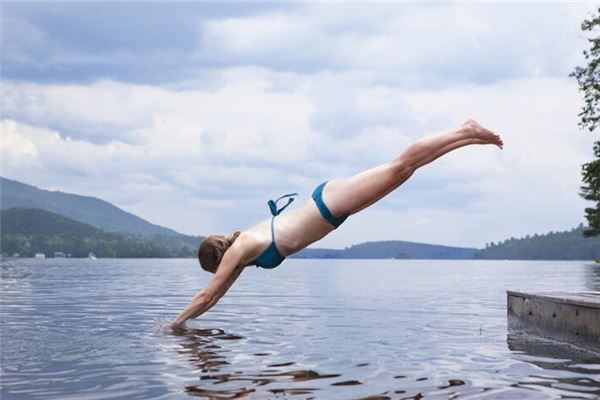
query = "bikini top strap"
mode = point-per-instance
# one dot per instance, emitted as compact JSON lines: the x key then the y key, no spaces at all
{"x":273,"y":204}
{"x":272,"y":229}
{"x":275,"y":211}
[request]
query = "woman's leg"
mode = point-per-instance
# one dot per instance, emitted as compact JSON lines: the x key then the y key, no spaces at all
{"x":350,"y":195}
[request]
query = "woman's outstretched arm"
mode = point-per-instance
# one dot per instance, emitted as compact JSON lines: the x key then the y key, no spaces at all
{"x":227,"y":273}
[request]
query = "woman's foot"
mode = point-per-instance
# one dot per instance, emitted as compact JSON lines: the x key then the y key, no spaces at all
{"x":484,"y":136}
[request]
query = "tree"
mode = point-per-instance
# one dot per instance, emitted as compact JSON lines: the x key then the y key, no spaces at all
{"x":588,"y":78}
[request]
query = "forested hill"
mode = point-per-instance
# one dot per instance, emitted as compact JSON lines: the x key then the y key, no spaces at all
{"x":28,"y":231}
{"x":91,"y":210}
{"x":33,"y":221}
{"x":391,"y":249}
{"x":402,"y":249}
{"x":567,"y":245}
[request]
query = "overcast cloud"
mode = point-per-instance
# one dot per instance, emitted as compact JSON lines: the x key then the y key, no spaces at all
{"x":194,"y":115}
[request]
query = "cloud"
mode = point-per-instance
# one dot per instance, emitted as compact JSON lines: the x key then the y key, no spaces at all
{"x":97,"y":113}
{"x":411,"y":45}
{"x":83,"y":42}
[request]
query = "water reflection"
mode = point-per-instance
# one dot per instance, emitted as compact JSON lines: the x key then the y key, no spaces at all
{"x":556,"y":365}
{"x":592,"y":276}
{"x":202,"y":346}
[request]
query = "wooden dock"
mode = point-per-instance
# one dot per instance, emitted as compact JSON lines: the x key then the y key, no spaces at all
{"x":571,"y":317}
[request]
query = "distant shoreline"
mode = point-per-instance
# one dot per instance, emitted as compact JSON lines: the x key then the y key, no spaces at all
{"x":8,"y":258}
{"x":35,"y":220}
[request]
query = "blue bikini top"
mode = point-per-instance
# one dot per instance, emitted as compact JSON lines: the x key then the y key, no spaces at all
{"x":271,"y":257}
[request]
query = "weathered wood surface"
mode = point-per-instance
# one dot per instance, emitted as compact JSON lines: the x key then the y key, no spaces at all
{"x":572,"y":317}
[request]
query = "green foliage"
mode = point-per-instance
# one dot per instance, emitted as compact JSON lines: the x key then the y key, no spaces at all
{"x":588,"y":78}
{"x":568,"y":245}
{"x":591,"y":191}
{"x":28,"y":231}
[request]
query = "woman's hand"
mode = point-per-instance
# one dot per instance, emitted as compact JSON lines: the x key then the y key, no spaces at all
{"x":177,"y":324}
{"x":197,"y":306}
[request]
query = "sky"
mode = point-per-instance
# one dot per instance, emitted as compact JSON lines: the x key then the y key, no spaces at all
{"x":194,"y":115}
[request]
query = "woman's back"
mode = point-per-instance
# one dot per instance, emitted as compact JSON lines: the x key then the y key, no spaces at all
{"x":293,"y":230}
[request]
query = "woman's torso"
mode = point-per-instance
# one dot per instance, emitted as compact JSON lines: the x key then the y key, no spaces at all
{"x":294,"y":230}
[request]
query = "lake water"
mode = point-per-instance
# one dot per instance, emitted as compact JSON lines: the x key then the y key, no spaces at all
{"x":327,"y":329}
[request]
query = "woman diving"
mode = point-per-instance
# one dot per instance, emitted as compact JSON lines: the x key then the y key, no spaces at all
{"x":268,"y":243}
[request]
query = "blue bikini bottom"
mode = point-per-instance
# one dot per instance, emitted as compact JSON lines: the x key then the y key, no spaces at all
{"x":317,"y":196}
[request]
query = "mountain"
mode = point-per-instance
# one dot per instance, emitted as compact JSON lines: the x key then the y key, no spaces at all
{"x":98,"y":213}
{"x":29,"y":230}
{"x":402,"y":249}
{"x":391,"y":249}
{"x":566,"y":245}
{"x":33,"y":221}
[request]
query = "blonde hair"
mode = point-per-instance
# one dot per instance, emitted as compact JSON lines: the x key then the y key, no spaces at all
{"x":212,"y":248}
